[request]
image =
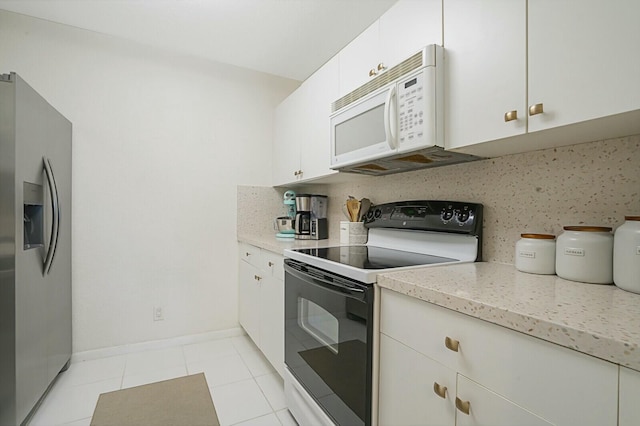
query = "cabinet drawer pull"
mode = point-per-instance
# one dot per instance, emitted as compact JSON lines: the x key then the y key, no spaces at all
{"x":451,"y":344}
{"x":271,"y":264}
{"x":463,"y":406}
{"x":247,"y":254}
{"x":510,"y":116}
{"x":372,"y":72}
{"x":381,"y":67}
{"x":535,"y":109}
{"x":257,"y":277}
{"x":441,"y":391}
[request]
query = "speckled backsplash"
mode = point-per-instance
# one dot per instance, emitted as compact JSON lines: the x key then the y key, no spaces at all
{"x":595,"y":183}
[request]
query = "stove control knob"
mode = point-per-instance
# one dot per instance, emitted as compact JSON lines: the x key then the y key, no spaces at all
{"x":369,"y":215}
{"x":447,"y":214}
{"x":377,"y":213}
{"x":463,"y":216}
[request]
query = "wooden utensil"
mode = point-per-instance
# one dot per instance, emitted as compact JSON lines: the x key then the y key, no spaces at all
{"x":353,"y":207}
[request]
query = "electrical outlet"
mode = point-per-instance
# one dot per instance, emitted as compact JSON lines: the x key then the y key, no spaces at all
{"x":158,"y":313}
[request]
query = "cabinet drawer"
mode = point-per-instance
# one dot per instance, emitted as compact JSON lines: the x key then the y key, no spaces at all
{"x":559,"y":384}
{"x":488,"y":408}
{"x":273,"y":265}
{"x":249,"y":254}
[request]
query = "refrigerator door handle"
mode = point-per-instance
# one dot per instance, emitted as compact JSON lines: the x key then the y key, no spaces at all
{"x":55,"y":207}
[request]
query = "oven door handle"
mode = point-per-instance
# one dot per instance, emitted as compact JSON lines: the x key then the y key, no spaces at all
{"x":336,"y":287}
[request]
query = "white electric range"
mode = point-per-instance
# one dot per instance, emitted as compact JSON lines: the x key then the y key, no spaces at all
{"x":330,"y":324}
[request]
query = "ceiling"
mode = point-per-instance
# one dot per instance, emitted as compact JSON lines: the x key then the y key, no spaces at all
{"x":288,"y":38}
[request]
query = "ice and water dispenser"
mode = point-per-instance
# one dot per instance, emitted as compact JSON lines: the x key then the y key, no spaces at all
{"x":33,"y":196}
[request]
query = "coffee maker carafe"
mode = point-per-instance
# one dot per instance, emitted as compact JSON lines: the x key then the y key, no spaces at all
{"x":311,"y":217}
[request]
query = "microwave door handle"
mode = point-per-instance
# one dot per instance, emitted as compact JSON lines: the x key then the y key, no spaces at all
{"x":390,"y":118}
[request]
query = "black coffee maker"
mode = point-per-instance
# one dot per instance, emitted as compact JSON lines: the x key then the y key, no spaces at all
{"x":311,"y":217}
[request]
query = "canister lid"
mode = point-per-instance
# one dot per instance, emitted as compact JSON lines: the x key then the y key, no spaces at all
{"x":539,"y":236}
{"x":588,"y":228}
{"x":632,"y":218}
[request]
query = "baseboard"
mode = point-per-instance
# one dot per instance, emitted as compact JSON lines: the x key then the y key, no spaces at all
{"x":155,"y":344}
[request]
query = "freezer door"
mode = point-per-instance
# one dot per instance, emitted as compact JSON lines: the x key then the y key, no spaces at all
{"x":43,"y":294}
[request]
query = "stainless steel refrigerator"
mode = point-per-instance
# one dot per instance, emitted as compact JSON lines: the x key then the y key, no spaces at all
{"x":35,"y":247}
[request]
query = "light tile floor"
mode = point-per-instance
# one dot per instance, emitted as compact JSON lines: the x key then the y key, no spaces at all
{"x":245,"y":389}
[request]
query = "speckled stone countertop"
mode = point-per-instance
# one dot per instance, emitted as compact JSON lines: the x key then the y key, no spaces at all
{"x":278,"y":245}
{"x":599,"y":320}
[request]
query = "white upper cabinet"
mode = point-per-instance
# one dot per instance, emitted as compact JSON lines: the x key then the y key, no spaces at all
{"x":407,"y":27}
{"x":515,"y":67}
{"x":358,"y":60}
{"x":318,"y":92}
{"x":301,"y":149}
{"x":485,"y":70}
{"x":584,"y":59}
{"x":286,"y":142}
{"x":402,"y":31}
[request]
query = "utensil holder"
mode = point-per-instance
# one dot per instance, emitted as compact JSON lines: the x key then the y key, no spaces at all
{"x":353,"y":233}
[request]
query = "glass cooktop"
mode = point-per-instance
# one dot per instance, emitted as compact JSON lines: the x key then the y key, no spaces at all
{"x":369,"y":257}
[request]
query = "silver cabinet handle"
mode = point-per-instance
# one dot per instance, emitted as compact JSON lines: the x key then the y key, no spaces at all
{"x":536,"y":109}
{"x":55,"y":207}
{"x":510,"y":116}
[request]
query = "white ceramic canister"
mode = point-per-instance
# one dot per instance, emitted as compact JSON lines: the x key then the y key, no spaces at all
{"x":536,"y":254}
{"x":626,"y":255}
{"x":585,"y":253}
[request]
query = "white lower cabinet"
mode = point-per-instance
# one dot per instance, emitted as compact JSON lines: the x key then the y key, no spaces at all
{"x":261,"y":301}
{"x":481,"y":406}
{"x":629,"y":409}
{"x":414,"y":389}
{"x":503,"y":377}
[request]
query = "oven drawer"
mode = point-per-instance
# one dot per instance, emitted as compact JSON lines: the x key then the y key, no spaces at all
{"x":556,"y":383}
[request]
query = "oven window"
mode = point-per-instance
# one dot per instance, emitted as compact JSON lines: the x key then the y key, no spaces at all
{"x":328,"y":346}
{"x":318,"y":323}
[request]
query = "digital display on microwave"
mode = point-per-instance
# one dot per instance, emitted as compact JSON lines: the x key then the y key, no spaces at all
{"x":410,"y":82}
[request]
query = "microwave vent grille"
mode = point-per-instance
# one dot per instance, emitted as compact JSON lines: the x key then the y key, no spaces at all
{"x":413,"y":63}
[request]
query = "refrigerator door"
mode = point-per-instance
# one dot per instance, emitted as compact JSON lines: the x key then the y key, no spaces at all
{"x":42,"y":234}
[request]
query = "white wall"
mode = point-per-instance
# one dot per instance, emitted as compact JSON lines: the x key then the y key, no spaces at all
{"x":160,"y":144}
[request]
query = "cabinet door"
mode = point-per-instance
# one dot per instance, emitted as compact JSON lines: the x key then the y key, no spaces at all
{"x":629,"y":409}
{"x":406,"y":391}
{"x":485,"y":69}
{"x":317,"y":93}
{"x":358,"y":58}
{"x":488,"y":408}
{"x":565,"y":386}
{"x":584,"y":59}
{"x":286,"y":140}
{"x":272,"y":311}
{"x":407,"y":27}
{"x":249,"y":300}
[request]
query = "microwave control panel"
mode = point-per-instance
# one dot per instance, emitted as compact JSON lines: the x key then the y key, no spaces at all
{"x":415,"y":114}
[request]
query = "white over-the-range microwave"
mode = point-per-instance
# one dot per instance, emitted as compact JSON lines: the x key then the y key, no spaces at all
{"x":395,"y":121}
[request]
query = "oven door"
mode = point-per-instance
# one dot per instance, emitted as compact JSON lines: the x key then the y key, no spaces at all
{"x":328,"y":340}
